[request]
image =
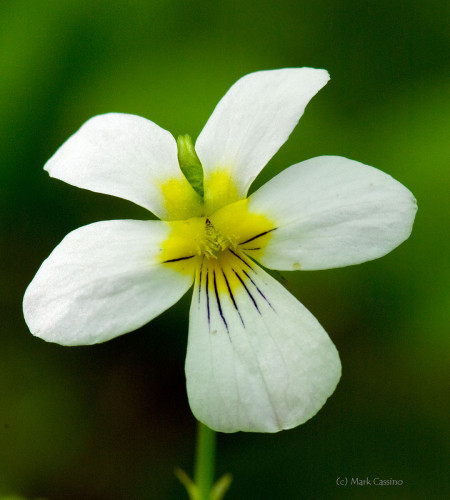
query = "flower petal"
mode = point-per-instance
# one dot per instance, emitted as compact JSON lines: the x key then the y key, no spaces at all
{"x":332,"y":212}
{"x":101,"y":281}
{"x":257,"y":360}
{"x":253,"y":120}
{"x":129,"y":157}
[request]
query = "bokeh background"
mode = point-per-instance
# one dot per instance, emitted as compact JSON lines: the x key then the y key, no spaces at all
{"x":112,"y":421}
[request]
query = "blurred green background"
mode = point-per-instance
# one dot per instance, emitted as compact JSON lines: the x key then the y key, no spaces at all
{"x":112,"y":421}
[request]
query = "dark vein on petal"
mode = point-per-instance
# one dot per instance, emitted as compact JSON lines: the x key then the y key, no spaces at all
{"x":257,"y":236}
{"x":218,"y":301}
{"x":241,"y":259}
{"x":178,"y":259}
{"x":256,"y":248}
{"x":207,"y":298}
{"x":200,"y":281}
{"x":247,"y":290}
{"x":232,"y":297}
{"x":256,"y":286}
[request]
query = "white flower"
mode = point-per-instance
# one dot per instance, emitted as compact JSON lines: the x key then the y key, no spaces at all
{"x":257,"y":360}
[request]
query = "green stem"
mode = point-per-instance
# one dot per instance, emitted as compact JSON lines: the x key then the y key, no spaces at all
{"x":204,"y":461}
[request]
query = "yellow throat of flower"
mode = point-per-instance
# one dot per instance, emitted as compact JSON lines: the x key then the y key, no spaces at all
{"x":232,"y":228}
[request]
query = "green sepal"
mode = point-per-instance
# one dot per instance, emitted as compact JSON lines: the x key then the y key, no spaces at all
{"x":190,"y":164}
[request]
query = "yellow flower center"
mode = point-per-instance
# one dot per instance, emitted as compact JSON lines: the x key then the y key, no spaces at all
{"x":230,"y":231}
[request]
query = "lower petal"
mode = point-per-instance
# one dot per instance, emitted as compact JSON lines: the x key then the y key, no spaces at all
{"x":101,"y":281}
{"x":257,"y":360}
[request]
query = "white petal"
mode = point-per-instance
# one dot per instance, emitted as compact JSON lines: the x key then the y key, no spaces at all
{"x":125,"y":156}
{"x":257,"y":360}
{"x":332,"y":212}
{"x":254,"y":119}
{"x":101,"y":281}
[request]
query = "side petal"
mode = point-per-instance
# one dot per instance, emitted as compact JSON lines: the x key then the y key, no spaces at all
{"x":129,"y":157}
{"x":332,"y":212}
{"x":257,"y":360}
{"x":101,"y":281}
{"x":253,"y":120}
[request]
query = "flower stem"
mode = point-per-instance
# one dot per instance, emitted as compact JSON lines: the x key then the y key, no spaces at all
{"x":204,"y":461}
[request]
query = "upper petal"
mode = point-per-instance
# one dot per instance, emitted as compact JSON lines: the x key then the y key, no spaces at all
{"x":257,"y":360}
{"x":129,"y":157}
{"x":332,"y":212}
{"x":101,"y":281}
{"x":252,"y":121}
